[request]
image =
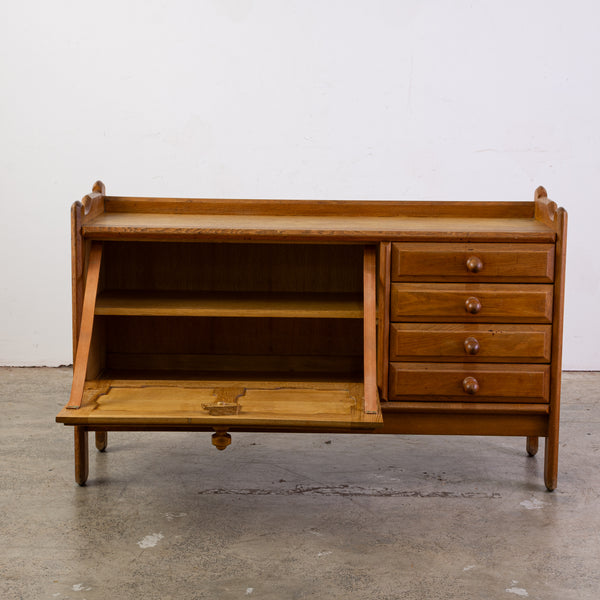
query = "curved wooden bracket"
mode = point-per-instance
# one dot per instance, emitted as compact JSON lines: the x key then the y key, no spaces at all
{"x":99,"y":188}
{"x":545,"y":209}
{"x":92,"y":204}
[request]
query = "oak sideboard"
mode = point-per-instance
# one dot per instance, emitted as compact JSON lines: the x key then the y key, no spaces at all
{"x":316,"y":316}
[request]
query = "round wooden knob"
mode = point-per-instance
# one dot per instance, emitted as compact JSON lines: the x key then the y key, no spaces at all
{"x":221,"y":439}
{"x":474,"y":264}
{"x":471,"y":345}
{"x":472,"y":305}
{"x":470,"y":385}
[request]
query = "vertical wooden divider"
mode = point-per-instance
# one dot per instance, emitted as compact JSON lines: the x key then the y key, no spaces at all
{"x":87,"y":325}
{"x":370,"y":329}
{"x":383,"y":318}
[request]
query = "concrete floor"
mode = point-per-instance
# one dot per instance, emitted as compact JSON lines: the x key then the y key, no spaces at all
{"x":166,"y":515}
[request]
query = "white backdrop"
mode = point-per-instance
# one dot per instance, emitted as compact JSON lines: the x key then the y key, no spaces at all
{"x":420,"y":100}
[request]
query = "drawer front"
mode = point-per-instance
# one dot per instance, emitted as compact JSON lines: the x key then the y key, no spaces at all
{"x":486,"y":303}
{"x":469,"y":383}
{"x":469,"y":343}
{"x":472,"y":262}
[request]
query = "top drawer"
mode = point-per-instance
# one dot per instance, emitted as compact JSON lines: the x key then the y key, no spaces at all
{"x":420,"y":261}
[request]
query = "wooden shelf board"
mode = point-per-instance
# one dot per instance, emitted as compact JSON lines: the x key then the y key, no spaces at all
{"x":314,"y":228}
{"x":294,"y":404}
{"x":226,"y":377}
{"x":230,"y":304}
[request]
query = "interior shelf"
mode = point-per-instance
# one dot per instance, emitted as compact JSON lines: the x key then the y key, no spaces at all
{"x":230,"y":304}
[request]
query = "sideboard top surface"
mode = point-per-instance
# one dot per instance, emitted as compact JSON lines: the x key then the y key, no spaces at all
{"x":311,"y":221}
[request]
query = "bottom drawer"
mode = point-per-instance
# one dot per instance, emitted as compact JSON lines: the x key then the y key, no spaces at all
{"x":469,"y":382}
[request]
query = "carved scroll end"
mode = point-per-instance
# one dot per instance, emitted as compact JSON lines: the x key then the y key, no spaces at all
{"x":93,"y":203}
{"x":540,"y":192}
{"x":546,"y":210}
{"x":99,"y":188}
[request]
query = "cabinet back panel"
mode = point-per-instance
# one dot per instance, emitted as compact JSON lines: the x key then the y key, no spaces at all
{"x":241,"y":343}
{"x":233,"y":267}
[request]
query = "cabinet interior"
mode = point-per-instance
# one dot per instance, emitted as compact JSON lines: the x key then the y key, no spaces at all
{"x":230,"y":310}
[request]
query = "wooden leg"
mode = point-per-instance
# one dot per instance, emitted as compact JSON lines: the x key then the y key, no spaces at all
{"x":532,"y":445}
{"x":101,"y":440}
{"x":551,"y":462}
{"x":81,"y":455}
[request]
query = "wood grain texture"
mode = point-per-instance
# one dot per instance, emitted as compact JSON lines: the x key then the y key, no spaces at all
{"x":435,"y":262}
{"x":101,"y":439}
{"x":532,"y":445}
{"x":218,"y":342}
{"x":97,"y":353}
{"x":370,"y":331}
{"x":81,"y":455}
{"x":299,"y":228}
{"x":467,"y":408}
{"x":77,"y":272}
{"x":93,"y":203}
{"x":432,"y":342}
{"x":383,"y":318}
{"x":546,"y":210}
{"x":444,"y":382}
{"x":552,"y":439}
{"x":90,"y":207}
{"x":461,"y":423}
{"x":452,"y":302}
{"x":230,"y":304}
{"x":239,"y":267}
{"x":324,"y":208}
{"x":206,"y":364}
{"x":280,"y":307}
{"x":289,"y":404}
{"x":87,"y":323}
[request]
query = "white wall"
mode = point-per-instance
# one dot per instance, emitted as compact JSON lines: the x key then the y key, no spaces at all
{"x":438,"y":99}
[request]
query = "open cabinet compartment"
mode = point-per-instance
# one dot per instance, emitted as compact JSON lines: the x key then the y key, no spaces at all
{"x":235,"y":335}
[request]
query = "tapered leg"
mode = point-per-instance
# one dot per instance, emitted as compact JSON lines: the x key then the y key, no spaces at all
{"x":532,"y":445}
{"x":101,"y":440}
{"x":81,"y":455}
{"x":551,"y":462}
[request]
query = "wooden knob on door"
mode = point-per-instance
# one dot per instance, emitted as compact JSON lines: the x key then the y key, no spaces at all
{"x":471,"y":345}
{"x":470,"y":385}
{"x":472,"y":305}
{"x":474,"y":264}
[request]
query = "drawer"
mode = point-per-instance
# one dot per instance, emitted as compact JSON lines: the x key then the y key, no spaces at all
{"x":469,"y":343}
{"x":473,"y":302}
{"x":411,"y":381}
{"x":439,"y":262}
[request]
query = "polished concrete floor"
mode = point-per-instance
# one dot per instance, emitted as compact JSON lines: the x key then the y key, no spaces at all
{"x":167,"y":516}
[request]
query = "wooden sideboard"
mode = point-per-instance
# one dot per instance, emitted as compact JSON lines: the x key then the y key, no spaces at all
{"x":316,"y":316}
